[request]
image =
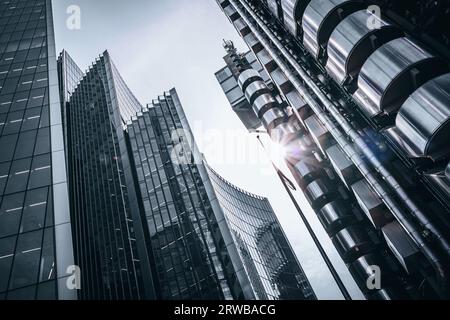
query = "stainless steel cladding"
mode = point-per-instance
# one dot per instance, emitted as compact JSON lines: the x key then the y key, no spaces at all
{"x":342,"y":165}
{"x":263,"y":103}
{"x":371,"y":204}
{"x":423,"y":122}
{"x":352,"y":242}
{"x":255,"y":89}
{"x":334,"y":216}
{"x":272,"y":117}
{"x":320,"y":192}
{"x":297,"y":102}
{"x":253,"y":43}
{"x":266,"y":60}
{"x":273,"y":7}
{"x":385,"y":81}
{"x":241,"y":27}
{"x":307,"y":170}
{"x":281,"y":80}
{"x":287,"y":131}
{"x":248,"y":76}
{"x":401,"y":245}
{"x":354,"y":40}
{"x":320,"y":19}
{"x":293,"y":12}
{"x":319,"y":132}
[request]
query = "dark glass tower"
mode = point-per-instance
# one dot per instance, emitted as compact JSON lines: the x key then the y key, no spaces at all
{"x":190,"y":249}
{"x":361,"y":104}
{"x":268,"y":258}
{"x":108,"y":239}
{"x":35,"y":231}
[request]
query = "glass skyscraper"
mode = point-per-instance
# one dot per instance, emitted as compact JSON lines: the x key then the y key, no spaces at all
{"x":108,"y":238}
{"x":210,"y":239}
{"x":35,"y":231}
{"x":268,"y":258}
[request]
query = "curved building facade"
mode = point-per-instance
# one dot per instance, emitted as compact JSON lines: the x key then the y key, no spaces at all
{"x":268,"y":259}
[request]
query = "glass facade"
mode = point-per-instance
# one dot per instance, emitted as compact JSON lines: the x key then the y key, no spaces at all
{"x":191,"y":257}
{"x":263,"y":247}
{"x":109,"y":243}
{"x":35,"y":235}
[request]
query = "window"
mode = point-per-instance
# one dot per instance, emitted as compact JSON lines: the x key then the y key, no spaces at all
{"x":40,"y":172}
{"x":20,"y":170}
{"x":10,"y":213}
{"x":25,"y":145}
{"x":7,"y":246}
{"x":26,"y":263}
{"x":7,"y":145}
{"x":34,"y":210}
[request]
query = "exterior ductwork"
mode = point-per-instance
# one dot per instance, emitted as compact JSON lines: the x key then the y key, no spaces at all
{"x":383,"y":186}
{"x":320,"y":19}
{"x":423,"y":122}
{"x":293,"y":13}
{"x":390,"y":68}
{"x":384,"y":82}
{"x":353,"y":41}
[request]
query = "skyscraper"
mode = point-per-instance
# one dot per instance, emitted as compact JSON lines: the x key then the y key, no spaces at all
{"x":268,"y":258}
{"x":109,"y":241}
{"x":362,"y":109}
{"x":35,"y":232}
{"x":210,"y":239}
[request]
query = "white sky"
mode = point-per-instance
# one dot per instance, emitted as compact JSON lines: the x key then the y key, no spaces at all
{"x":160,"y":44}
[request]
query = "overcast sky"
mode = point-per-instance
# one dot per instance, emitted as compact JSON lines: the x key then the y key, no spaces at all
{"x":161,"y":44}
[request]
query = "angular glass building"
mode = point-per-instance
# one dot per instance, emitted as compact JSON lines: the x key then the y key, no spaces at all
{"x":35,"y":232}
{"x":268,"y":258}
{"x":210,"y":239}
{"x":360,"y":101}
{"x":191,"y":251}
{"x":106,"y":220}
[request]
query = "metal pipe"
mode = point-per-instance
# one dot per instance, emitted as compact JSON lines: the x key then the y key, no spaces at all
{"x":348,"y":148}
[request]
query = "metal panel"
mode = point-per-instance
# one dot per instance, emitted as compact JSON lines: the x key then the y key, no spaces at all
{"x":352,"y":242}
{"x":401,"y":245}
{"x":319,"y":132}
{"x":424,"y":119}
{"x":307,"y":170}
{"x":286,"y":132}
{"x":298,"y":148}
{"x":384,"y":81}
{"x":253,"y":43}
{"x":297,"y":102}
{"x":263,"y":103}
{"x":281,"y":80}
{"x":334,"y":216}
{"x":231,"y":12}
{"x":320,"y":18}
{"x":320,"y":192}
{"x":247,"y":77}
{"x":293,"y":12}
{"x":266,"y":60}
{"x":354,"y":40}
{"x":371,"y":204}
{"x":256,"y":89}
{"x":343,"y":166}
{"x":241,"y":27}
{"x":272,"y":118}
{"x":273,"y":7}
